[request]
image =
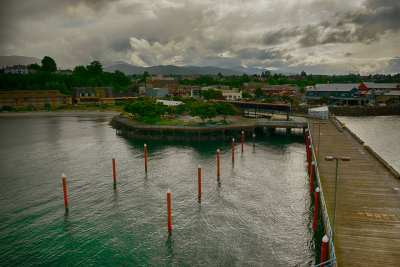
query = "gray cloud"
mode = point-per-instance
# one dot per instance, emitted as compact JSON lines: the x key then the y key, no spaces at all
{"x":187,"y":32}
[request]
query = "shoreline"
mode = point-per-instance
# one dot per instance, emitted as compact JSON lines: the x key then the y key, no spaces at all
{"x":59,"y":113}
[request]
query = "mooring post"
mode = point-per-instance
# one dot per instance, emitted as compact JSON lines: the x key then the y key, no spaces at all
{"x":169,"y":210}
{"x":316,"y":200}
{"x":145,"y":157}
{"x":199,"y":181}
{"x":309,"y":157}
{"x":312,"y":173}
{"x":114,"y":172}
{"x":233,"y":149}
{"x":64,"y":182}
{"x":254,"y":138}
{"x":242,"y":140}
{"x":218,"y":171}
{"x":324,"y":249}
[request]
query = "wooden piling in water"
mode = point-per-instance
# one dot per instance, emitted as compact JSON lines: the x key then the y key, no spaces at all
{"x":64,"y":182}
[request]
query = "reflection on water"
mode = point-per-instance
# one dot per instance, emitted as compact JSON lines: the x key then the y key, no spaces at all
{"x":255,"y":213}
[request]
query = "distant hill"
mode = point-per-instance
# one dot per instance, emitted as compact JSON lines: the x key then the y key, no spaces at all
{"x":170,"y":69}
{"x":17,"y":60}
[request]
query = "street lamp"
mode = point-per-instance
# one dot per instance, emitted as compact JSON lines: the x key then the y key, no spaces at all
{"x":330,"y":158}
{"x":319,"y":135}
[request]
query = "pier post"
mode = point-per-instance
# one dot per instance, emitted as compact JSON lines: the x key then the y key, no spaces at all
{"x":233,"y":149}
{"x":316,"y":200}
{"x":169,"y":210}
{"x":218,"y":170}
{"x":242,"y":140}
{"x":199,"y":181}
{"x":65,"y":192}
{"x":254,"y":138}
{"x":312,"y":173}
{"x":309,"y":157}
{"x":114,"y":173}
{"x":145,"y":157}
{"x":324,"y":249}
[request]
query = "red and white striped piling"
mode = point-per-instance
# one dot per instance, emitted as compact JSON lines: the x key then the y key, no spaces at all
{"x":145,"y":157}
{"x":324,"y":249}
{"x":218,"y":171}
{"x":233,"y":149}
{"x":169,"y":209}
{"x":199,"y":180}
{"x":242,"y":140}
{"x":65,"y":191}
{"x":312,"y":173}
{"x":114,"y":172}
{"x":316,"y":200}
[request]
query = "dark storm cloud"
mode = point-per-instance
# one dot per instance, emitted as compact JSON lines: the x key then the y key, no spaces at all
{"x":280,"y":36}
{"x":120,"y":45}
{"x":366,"y":24}
{"x":260,"y":54}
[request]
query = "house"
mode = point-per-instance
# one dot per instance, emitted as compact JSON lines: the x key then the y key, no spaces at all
{"x":37,"y":98}
{"x":17,"y":69}
{"x":233,"y":94}
{"x":391,"y":97}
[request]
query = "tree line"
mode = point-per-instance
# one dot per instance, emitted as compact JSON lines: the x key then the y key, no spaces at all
{"x":148,"y":110}
{"x":46,"y":78}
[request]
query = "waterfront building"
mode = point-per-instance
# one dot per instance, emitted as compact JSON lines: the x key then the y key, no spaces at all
{"x":339,"y":93}
{"x":37,"y":98}
{"x":91,"y":95}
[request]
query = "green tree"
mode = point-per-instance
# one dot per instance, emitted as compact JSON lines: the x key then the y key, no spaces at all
{"x":147,"y":109}
{"x":203,"y":110}
{"x":213,"y":94}
{"x":246,"y":94}
{"x":144,"y":76}
{"x":80,"y":70}
{"x":34,"y":66}
{"x":48,"y":64}
{"x":225,"y":109}
{"x":94,"y":69}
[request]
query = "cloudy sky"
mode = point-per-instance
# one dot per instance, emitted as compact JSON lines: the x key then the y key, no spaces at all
{"x":318,"y":36}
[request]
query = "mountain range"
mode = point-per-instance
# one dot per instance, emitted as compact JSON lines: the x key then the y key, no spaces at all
{"x":129,"y":69}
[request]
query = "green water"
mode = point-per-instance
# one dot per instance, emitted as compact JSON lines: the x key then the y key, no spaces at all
{"x":258,"y":215}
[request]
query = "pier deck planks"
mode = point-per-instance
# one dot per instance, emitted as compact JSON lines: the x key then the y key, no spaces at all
{"x":368,"y":200}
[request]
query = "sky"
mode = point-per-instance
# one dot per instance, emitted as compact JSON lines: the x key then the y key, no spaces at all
{"x":317,"y":36}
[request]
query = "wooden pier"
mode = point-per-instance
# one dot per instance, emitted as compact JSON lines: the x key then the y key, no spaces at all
{"x":367,"y":231}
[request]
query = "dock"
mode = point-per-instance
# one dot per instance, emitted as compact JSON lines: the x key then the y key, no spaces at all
{"x":367,"y":231}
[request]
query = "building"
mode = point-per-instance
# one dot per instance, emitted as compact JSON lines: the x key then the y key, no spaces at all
{"x":157,"y":92}
{"x":17,"y":69}
{"x":385,"y":87}
{"x":91,"y":95}
{"x":339,"y":93}
{"x":233,"y":94}
{"x":160,"y":81}
{"x":35,"y":98}
{"x":391,"y":97}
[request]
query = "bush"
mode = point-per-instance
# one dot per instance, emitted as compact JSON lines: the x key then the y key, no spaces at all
{"x":7,"y":108}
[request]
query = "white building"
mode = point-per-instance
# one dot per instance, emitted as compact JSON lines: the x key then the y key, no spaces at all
{"x":17,"y":69}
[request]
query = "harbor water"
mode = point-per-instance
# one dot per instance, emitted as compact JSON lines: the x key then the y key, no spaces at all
{"x":381,"y":133}
{"x":258,"y":215}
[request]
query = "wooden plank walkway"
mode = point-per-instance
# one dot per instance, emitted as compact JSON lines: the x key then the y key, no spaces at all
{"x":368,"y":200}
